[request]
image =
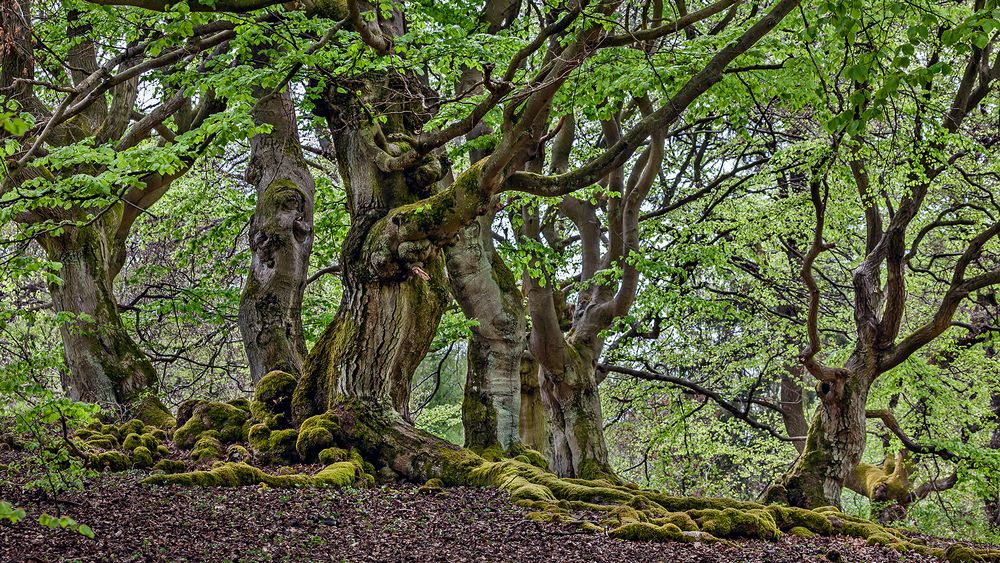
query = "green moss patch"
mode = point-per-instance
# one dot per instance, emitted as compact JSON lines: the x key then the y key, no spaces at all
{"x":233,"y":474}
{"x":223,"y":418}
{"x":645,"y":531}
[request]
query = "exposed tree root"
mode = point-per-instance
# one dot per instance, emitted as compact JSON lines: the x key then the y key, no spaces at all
{"x":354,"y":439}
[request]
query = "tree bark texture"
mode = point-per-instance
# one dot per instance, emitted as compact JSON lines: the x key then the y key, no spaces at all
{"x":281,"y":237}
{"x":104,"y":365}
{"x":575,"y":422}
{"x":487,"y":292}
{"x":394,"y":291}
{"x":533,"y":427}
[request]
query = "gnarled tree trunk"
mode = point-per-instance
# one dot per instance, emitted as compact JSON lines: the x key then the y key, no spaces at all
{"x":487,"y":292}
{"x":394,"y":292}
{"x":834,"y":445}
{"x":104,"y":365}
{"x":575,"y":423}
{"x":281,"y":236}
{"x":792,"y":404}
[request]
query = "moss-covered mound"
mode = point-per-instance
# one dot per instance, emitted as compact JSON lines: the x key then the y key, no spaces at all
{"x":225,"y":420}
{"x":340,"y":474}
{"x":119,"y":447}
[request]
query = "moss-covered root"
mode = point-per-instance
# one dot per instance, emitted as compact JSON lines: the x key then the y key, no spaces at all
{"x":961,"y":552}
{"x":339,"y":474}
{"x":647,"y":515}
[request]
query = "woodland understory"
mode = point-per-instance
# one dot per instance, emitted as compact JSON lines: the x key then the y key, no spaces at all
{"x":721,"y":274}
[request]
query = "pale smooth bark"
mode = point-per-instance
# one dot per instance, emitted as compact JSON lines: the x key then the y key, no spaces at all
{"x":281,"y":237}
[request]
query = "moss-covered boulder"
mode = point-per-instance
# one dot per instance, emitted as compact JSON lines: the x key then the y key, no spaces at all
{"x":153,"y":412}
{"x":134,"y":440}
{"x":207,"y":448}
{"x":274,"y":392}
{"x":333,"y":455}
{"x":240,"y":403}
{"x":736,"y":523}
{"x":110,"y":460}
{"x":273,"y":446}
{"x":186,"y":409}
{"x":431,"y":487}
{"x":142,"y":457}
{"x":228,"y":421}
{"x":100,"y":441}
{"x":134,"y":426}
{"x":316,"y":434}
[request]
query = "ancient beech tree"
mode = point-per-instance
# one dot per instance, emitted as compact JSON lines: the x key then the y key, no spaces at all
{"x":78,"y":148}
{"x":281,"y":236}
{"x":900,"y":223}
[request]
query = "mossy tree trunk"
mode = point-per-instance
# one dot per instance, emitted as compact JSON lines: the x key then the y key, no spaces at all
{"x":568,"y":344}
{"x":575,"y":424}
{"x":833,"y":448}
{"x":487,"y":292}
{"x":104,"y":365}
{"x":281,"y":237}
{"x":394,"y":290}
{"x":533,"y":428}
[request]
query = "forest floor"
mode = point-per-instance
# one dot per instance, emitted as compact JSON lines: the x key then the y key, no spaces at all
{"x":134,"y":522}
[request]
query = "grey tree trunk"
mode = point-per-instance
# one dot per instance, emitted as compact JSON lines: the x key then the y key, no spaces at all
{"x":575,"y":422}
{"x":533,"y":428}
{"x":793,"y":413}
{"x":834,"y":445}
{"x":487,"y":292}
{"x":281,"y":237}
{"x":104,"y":365}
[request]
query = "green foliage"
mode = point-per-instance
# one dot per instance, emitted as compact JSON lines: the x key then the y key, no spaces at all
{"x":36,"y":417}
{"x":10,"y":513}
{"x":65,"y":523}
{"x":444,"y":421}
